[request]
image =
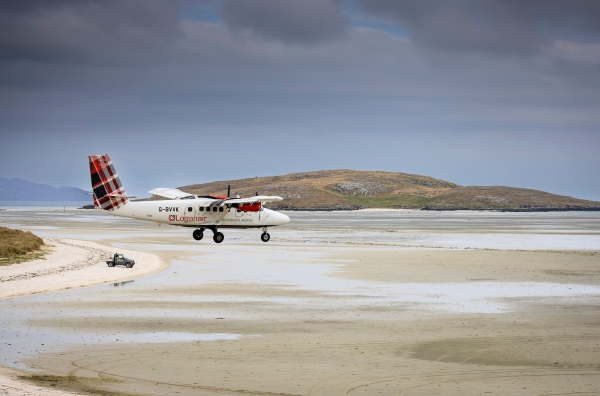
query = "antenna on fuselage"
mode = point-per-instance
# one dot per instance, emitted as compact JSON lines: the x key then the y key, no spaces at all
{"x":228,"y":190}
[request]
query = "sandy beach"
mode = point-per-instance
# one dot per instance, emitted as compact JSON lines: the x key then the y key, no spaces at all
{"x":72,"y":264}
{"x":363,"y":303}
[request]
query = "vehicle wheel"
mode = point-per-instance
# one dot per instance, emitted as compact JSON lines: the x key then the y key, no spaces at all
{"x":265,"y":237}
{"x":218,"y":237}
{"x":128,"y":265}
{"x":198,"y":234}
{"x":111,"y":264}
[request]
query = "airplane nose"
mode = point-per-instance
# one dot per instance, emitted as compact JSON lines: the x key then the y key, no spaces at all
{"x":284,"y":219}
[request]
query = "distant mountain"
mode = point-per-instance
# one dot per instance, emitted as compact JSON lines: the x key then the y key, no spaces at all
{"x":348,"y":189}
{"x":24,"y":190}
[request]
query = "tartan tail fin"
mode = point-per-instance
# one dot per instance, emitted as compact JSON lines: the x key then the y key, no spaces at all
{"x":108,"y":191}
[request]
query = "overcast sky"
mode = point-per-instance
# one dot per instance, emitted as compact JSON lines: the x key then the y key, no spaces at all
{"x":477,"y":92}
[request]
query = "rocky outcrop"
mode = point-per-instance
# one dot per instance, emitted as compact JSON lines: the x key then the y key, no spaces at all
{"x":364,"y":188}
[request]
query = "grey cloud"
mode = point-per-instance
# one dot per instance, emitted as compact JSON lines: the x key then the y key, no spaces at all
{"x":82,"y":31}
{"x":137,"y":80}
{"x":24,"y":6}
{"x":292,"y":21}
{"x":499,"y":26}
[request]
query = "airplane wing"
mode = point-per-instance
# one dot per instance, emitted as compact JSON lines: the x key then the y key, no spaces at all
{"x":257,"y":198}
{"x":171,"y":193}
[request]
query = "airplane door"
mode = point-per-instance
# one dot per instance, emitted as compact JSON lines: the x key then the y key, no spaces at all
{"x":238,"y":212}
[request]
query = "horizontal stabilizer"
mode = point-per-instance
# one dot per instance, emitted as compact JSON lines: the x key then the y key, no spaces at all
{"x":122,"y":196}
{"x":171,"y":193}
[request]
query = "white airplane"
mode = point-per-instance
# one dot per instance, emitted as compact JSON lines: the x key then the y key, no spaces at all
{"x":182,"y":209}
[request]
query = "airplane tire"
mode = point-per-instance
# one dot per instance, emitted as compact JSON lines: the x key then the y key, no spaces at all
{"x":218,"y":237}
{"x":265,"y":237}
{"x":198,"y":234}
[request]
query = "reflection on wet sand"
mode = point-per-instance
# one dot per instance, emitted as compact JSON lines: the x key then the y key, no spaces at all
{"x":121,"y":284}
{"x":323,"y":309}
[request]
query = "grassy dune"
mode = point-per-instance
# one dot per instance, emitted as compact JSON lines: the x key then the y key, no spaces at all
{"x":17,"y":246}
{"x":80,"y":385}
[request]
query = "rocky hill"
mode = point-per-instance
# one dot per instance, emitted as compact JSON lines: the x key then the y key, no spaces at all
{"x":348,"y":189}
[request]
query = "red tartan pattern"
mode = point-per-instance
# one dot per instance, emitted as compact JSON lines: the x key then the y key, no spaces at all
{"x":105,"y":181}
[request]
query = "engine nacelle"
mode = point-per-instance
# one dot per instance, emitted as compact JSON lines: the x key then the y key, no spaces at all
{"x":253,"y":207}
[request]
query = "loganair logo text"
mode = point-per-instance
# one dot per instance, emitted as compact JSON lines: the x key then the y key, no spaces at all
{"x":168,"y":209}
{"x":187,"y":219}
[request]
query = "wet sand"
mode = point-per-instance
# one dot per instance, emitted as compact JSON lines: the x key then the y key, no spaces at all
{"x":307,"y":314}
{"x":68,"y":264}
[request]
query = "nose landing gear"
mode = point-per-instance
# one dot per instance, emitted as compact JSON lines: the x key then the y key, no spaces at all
{"x":265,"y":237}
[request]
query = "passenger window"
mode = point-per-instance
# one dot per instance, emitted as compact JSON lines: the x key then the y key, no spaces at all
{"x":189,"y":209}
{"x":201,"y":209}
{"x":220,"y":209}
{"x":214,"y":209}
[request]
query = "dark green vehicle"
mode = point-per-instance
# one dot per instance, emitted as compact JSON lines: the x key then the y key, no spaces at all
{"x":119,"y":259}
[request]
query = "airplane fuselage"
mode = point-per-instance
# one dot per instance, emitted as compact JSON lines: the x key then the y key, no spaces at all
{"x":199,"y":213}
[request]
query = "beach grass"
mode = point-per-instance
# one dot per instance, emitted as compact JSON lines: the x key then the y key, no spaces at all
{"x":17,"y":246}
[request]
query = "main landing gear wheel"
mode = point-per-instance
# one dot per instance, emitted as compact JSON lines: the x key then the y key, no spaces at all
{"x":265,"y":237}
{"x":218,"y":237}
{"x":198,"y":234}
